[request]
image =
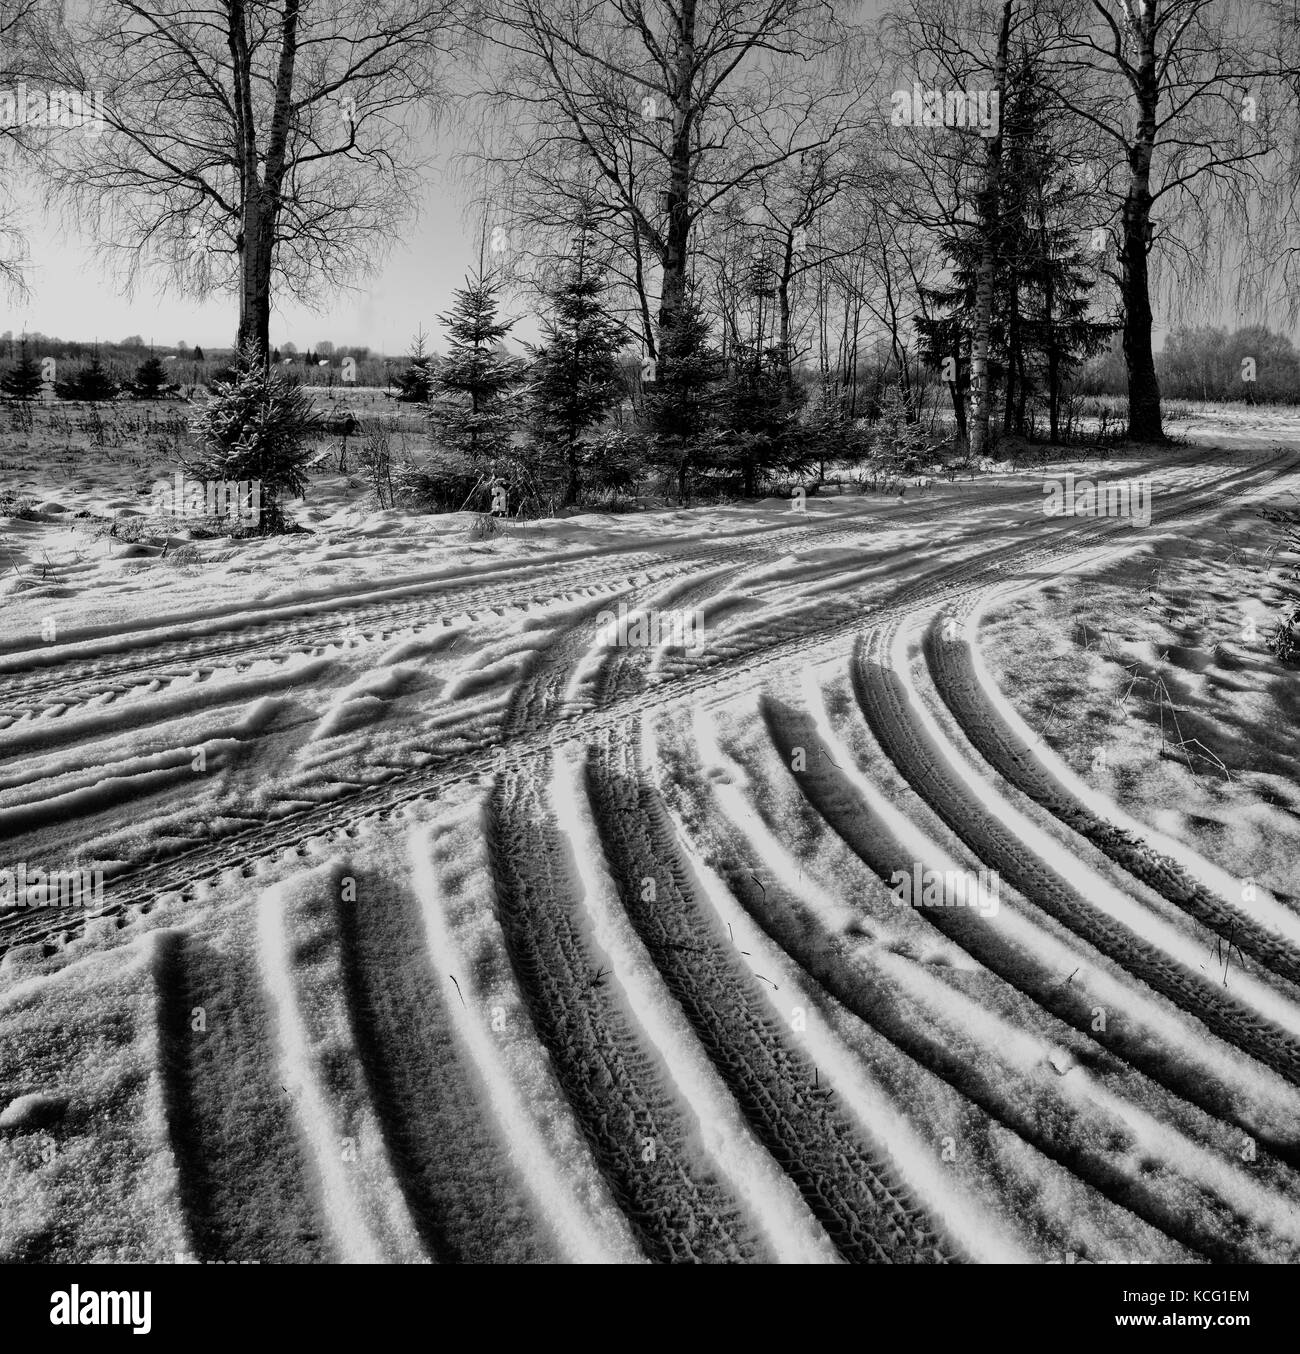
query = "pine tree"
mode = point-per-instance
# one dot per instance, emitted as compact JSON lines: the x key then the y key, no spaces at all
{"x":469,"y":414}
{"x":415,"y":384}
{"x":198,"y":353}
{"x":150,"y":377}
{"x":24,"y":381}
{"x":576,"y":376}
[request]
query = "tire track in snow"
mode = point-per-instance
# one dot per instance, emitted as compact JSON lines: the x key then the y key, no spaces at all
{"x":893,"y":716}
{"x":1028,"y":956}
{"x":635,"y":1131}
{"x":791,"y":1231}
{"x":320,"y":1066}
{"x":141,"y":660}
{"x":952,"y":667}
{"x":798,"y":1007}
{"x":451,"y":876}
{"x":847,"y":1186}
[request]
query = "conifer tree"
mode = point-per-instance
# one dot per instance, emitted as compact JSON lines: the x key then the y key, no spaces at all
{"x":1039,"y":330}
{"x":575,"y":375}
{"x":470,"y":414}
{"x":758,"y":407}
{"x":258,"y":426}
{"x":415,"y":383}
{"x":23,"y":382}
{"x":679,"y":405}
{"x":90,"y":383}
{"x":150,"y":377}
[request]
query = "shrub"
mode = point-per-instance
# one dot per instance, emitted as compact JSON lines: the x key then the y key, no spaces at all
{"x":445,"y":482}
{"x":376,"y":458}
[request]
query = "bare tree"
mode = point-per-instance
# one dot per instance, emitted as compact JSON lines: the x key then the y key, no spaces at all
{"x":1176,"y":88}
{"x":665,"y":111}
{"x":250,"y":145}
{"x":19,"y":20}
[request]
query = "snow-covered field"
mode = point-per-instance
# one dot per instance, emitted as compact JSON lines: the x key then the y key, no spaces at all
{"x":550,"y":897}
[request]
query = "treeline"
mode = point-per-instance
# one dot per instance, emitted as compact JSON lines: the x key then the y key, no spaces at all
{"x":129,"y":352}
{"x":1251,"y":365}
{"x":135,"y":369}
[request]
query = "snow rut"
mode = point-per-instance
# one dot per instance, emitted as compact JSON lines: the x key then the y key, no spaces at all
{"x":848,"y":1185}
{"x":892,"y":715}
{"x":64,"y":676}
{"x":320,"y":1064}
{"x":454,"y":1175}
{"x":951,"y":667}
{"x":635,"y":1130}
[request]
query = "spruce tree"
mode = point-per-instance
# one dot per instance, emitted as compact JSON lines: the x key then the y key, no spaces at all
{"x":1039,"y":328}
{"x":469,"y":414}
{"x":415,"y":383}
{"x":150,"y":377}
{"x":576,"y":377}
{"x":23,"y":382}
{"x":758,"y":409}
{"x":258,"y":426}
{"x":678,"y":407}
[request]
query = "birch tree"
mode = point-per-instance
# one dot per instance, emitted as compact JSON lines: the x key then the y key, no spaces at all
{"x":1181,"y":91}
{"x":253,"y":146}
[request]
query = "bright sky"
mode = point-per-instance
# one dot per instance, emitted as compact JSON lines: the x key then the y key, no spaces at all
{"x":73,"y":297}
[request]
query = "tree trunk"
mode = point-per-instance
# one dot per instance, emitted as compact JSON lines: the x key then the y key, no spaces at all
{"x":677,"y":234}
{"x":572,"y":478}
{"x":959,"y":412}
{"x":259,"y":191}
{"x":783,"y":332}
{"x":979,"y":360}
{"x":1053,"y":346}
{"x":1144,"y":421}
{"x":1012,"y":392}
{"x":255,"y":282}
